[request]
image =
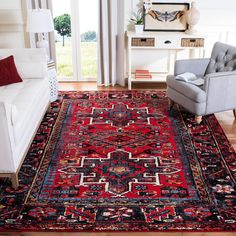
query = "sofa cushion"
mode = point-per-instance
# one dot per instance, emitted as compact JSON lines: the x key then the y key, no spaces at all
{"x":223,"y":58}
{"x":23,"y":97}
{"x":8,"y":72}
{"x":188,"y":90}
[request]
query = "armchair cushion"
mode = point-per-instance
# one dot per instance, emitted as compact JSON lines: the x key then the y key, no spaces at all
{"x":223,"y":58}
{"x":8,"y":72}
{"x":190,"y":91}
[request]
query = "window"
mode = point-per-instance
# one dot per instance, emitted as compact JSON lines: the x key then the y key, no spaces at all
{"x":76,"y":52}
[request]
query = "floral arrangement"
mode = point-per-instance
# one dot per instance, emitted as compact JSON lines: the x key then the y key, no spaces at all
{"x":137,"y":17}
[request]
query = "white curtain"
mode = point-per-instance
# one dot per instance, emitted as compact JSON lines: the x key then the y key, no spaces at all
{"x":111,"y":43}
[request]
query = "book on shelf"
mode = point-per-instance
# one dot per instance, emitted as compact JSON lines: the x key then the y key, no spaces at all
{"x":142,"y":74}
{"x":190,"y":78}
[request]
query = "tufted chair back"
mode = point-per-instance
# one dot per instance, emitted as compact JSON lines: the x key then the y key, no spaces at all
{"x":223,"y":58}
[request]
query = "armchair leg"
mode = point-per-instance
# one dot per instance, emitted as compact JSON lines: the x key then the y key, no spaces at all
{"x":198,"y":119}
{"x":171,"y":103}
{"x":234,"y":111}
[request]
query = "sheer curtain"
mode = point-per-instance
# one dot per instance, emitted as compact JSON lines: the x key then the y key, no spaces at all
{"x":111,"y":43}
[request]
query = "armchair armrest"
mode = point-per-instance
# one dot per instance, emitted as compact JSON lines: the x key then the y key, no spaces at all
{"x":196,"y":66}
{"x":219,"y":80}
{"x":220,"y":89}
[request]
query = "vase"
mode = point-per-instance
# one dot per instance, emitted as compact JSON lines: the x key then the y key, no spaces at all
{"x":139,"y":28}
{"x":192,"y":18}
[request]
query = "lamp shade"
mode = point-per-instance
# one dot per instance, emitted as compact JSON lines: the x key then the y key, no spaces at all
{"x":39,"y":21}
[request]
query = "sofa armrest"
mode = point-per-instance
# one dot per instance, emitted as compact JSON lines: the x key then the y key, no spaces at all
{"x":6,"y":139}
{"x":196,"y":66}
{"x":220,"y":89}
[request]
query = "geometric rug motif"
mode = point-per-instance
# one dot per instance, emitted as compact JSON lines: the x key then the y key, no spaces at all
{"x":121,"y":161}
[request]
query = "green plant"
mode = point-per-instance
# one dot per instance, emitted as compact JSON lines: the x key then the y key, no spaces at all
{"x":89,"y":36}
{"x":137,"y":17}
{"x":63,"y":26}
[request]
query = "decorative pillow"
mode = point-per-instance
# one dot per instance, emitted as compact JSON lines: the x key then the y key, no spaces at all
{"x":8,"y":72}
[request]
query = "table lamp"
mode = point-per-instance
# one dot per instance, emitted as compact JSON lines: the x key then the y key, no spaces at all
{"x":40,"y":21}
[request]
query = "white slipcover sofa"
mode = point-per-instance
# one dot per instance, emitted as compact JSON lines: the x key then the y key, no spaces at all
{"x":22,"y":106}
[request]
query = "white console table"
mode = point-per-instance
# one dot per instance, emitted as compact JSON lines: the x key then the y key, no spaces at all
{"x":157,"y":52}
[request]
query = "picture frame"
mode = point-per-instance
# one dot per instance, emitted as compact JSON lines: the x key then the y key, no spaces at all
{"x":166,"y":17}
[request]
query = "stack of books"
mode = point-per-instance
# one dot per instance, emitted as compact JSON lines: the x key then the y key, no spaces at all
{"x":143,"y":74}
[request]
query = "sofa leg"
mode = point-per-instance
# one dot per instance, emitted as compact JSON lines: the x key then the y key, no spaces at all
{"x":14,"y":181}
{"x":171,"y":103}
{"x":234,"y":111}
{"x":198,"y":119}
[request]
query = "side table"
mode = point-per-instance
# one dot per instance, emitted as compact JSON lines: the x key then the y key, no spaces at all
{"x":53,"y":83}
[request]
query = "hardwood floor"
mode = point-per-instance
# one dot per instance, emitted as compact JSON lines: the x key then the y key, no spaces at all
{"x":228,"y":123}
{"x":92,"y":86}
{"x":226,"y":120}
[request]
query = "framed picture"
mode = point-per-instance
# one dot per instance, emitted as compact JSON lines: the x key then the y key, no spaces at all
{"x":166,"y":17}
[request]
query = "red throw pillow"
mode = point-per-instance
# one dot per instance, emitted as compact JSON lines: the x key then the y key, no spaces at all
{"x":8,"y":72}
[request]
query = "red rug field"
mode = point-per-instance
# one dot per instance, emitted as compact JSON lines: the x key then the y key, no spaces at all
{"x":121,"y":161}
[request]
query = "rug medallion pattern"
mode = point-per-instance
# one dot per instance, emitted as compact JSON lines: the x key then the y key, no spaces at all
{"x":119,"y":160}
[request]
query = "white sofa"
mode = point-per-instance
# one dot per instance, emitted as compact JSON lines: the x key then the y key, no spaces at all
{"x":22,"y":106}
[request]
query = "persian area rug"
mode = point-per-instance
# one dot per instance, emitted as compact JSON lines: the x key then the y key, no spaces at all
{"x":120,"y":161}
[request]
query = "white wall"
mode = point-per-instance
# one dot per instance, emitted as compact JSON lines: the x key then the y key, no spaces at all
{"x":217,"y":13}
{"x":218,"y":19}
{"x":12,"y":24}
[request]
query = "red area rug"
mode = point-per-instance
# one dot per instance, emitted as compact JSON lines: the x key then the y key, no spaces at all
{"x":120,"y":161}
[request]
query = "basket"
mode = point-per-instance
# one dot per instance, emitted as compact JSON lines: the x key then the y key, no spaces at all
{"x":143,"y":42}
{"x":192,"y":42}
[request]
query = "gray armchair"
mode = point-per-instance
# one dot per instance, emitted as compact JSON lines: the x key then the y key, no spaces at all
{"x":219,"y":90}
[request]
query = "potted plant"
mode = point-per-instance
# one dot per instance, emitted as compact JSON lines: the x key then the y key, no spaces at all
{"x":137,"y":19}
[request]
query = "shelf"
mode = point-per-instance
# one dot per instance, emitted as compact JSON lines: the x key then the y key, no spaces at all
{"x":157,"y":77}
